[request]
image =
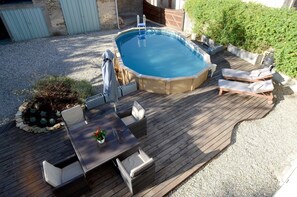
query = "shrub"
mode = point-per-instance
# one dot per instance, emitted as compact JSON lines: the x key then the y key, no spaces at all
{"x":52,"y":95}
{"x":250,"y":26}
{"x":60,"y":91}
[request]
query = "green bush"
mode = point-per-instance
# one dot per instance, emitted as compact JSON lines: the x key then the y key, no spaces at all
{"x":60,"y":91}
{"x":250,"y":26}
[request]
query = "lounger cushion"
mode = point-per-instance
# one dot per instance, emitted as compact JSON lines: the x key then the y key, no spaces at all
{"x":255,"y":73}
{"x":249,"y":76}
{"x":71,"y":171}
{"x":234,"y":85}
{"x":260,"y":72}
{"x":261,"y":86}
{"x":52,"y":174}
{"x":256,"y":87}
{"x":226,"y":72}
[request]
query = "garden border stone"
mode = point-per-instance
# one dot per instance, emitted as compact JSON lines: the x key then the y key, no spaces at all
{"x":252,"y":58}
{"x":32,"y":129}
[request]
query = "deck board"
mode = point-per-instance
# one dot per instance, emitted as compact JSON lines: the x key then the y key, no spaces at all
{"x":185,"y":131}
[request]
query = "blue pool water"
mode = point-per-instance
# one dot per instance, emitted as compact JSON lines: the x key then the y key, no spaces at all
{"x":159,"y":54}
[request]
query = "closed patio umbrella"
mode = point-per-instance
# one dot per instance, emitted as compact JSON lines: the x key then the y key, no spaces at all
{"x":110,"y":84}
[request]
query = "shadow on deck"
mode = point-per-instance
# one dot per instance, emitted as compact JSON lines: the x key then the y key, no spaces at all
{"x":185,"y":131}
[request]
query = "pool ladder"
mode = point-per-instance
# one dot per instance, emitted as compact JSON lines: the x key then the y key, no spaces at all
{"x":141,"y":26}
{"x":141,"y":31}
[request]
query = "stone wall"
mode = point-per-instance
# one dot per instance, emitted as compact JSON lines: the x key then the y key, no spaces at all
{"x":54,"y":16}
{"x":107,"y":14}
{"x":130,"y":7}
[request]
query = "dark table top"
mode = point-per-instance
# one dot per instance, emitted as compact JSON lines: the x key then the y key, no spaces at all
{"x":90,"y":153}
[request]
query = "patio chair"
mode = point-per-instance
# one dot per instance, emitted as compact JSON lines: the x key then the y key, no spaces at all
{"x":66,"y":177}
{"x":74,"y":117}
{"x":129,"y":88}
{"x":135,"y":119}
{"x":260,"y":89}
{"x":137,"y":170}
{"x":95,"y":101}
{"x":253,"y":76}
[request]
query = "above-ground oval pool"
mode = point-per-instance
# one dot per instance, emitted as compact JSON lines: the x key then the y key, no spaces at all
{"x":160,"y":61}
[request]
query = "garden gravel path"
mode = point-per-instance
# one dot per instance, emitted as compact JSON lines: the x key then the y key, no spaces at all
{"x":254,"y":164}
{"x":22,"y":63}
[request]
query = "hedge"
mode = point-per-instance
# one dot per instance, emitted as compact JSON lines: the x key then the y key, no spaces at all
{"x":250,"y":26}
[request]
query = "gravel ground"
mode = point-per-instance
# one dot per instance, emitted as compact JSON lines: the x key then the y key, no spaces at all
{"x":254,"y":164}
{"x":22,"y":63}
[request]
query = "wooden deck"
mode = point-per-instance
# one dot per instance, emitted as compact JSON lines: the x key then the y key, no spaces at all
{"x":185,"y":131}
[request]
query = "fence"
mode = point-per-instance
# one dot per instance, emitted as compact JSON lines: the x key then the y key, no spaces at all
{"x":168,"y":17}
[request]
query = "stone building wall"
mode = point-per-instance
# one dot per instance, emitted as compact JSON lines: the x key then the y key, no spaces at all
{"x":53,"y":13}
{"x":130,"y":7}
{"x":107,"y":14}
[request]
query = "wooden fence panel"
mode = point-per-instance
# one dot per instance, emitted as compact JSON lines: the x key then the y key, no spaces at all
{"x":168,"y":17}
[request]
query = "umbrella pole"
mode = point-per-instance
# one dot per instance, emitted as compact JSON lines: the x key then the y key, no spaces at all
{"x":115,"y":107}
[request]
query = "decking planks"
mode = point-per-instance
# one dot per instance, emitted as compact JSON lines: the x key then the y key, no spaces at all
{"x":185,"y":131}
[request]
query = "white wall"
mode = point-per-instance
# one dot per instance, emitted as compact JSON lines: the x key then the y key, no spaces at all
{"x":176,"y":4}
{"x":269,"y":3}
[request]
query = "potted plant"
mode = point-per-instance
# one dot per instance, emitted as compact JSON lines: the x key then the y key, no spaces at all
{"x":100,"y":135}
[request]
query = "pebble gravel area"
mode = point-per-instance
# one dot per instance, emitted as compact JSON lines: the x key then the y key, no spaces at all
{"x":254,"y":164}
{"x":23,"y":63}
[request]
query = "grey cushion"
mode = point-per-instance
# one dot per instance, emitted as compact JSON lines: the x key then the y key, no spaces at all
{"x":95,"y":101}
{"x":255,"y":74}
{"x":137,"y":111}
{"x":73,"y":115}
{"x":135,"y":164}
{"x":226,"y":72}
{"x":71,"y":171}
{"x":261,"y":86}
{"x":128,"y":120}
{"x":256,"y":87}
{"x":136,"y":171}
{"x":52,"y":174}
{"x":132,"y":162}
{"x":127,"y":89}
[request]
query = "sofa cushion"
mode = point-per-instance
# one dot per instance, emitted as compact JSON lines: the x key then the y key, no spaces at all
{"x":52,"y":174}
{"x":73,"y":115}
{"x":71,"y":171}
{"x":132,"y":162}
{"x":128,"y":120}
{"x":139,"y":169}
{"x":137,"y":111}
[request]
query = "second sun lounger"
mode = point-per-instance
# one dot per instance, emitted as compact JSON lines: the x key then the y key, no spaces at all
{"x":260,"y":89}
{"x":253,"y":76}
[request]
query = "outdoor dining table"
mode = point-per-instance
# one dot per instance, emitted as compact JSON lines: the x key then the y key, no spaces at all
{"x":119,"y":140}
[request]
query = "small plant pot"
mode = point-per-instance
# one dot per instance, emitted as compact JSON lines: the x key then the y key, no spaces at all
{"x":193,"y":36}
{"x":101,"y":141}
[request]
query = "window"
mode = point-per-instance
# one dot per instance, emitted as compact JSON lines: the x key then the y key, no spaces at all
{"x":13,"y":1}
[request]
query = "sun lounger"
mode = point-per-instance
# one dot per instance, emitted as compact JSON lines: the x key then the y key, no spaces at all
{"x":260,"y":89}
{"x":253,"y":76}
